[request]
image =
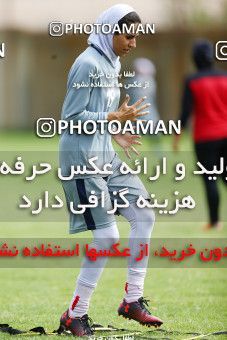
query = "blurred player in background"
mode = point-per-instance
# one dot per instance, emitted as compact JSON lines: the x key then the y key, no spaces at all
{"x":145,"y":72}
{"x":97,"y":63}
{"x":144,"y":84}
{"x":205,"y":96}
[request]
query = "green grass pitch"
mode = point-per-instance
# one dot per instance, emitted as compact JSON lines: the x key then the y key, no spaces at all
{"x":188,"y":300}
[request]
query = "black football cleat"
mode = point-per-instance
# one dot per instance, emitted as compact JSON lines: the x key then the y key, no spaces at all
{"x":77,"y":326}
{"x":138,"y":312}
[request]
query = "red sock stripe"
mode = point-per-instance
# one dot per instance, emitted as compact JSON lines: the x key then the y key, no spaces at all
{"x":75,"y":302}
{"x":126,"y":288}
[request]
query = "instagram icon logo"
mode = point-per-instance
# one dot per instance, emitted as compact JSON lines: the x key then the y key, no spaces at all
{"x":56,"y":29}
{"x":221,"y":50}
{"x":45,"y":127}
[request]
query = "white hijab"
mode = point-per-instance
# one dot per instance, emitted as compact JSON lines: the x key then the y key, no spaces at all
{"x":105,"y":41}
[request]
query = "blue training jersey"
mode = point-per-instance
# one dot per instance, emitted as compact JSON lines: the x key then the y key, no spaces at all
{"x":99,"y":96}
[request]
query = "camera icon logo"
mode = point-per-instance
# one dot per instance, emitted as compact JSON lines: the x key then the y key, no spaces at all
{"x":221,"y":50}
{"x":56,"y":29}
{"x":45,"y":127}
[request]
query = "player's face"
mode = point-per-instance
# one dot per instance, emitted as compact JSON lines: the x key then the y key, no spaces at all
{"x":124,"y":43}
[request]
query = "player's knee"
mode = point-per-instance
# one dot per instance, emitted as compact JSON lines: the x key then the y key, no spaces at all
{"x":107,"y":238}
{"x":148,"y":216}
{"x":144,"y":222}
{"x":148,"y":219}
{"x":105,"y":243}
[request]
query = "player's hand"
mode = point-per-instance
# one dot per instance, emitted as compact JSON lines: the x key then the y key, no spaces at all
{"x":129,"y":112}
{"x":127,"y":141}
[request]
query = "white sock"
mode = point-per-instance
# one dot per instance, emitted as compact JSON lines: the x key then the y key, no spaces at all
{"x":80,"y":301}
{"x":133,"y":292}
{"x":91,"y":271}
{"x":141,"y":222}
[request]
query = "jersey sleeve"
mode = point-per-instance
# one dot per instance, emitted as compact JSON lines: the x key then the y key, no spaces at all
{"x":77,"y":99}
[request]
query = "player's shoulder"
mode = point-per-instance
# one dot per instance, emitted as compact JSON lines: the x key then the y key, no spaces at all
{"x":192,"y":76}
{"x":92,"y":61}
{"x":89,"y":59}
{"x":83,"y":65}
{"x":210,"y":73}
{"x":219,"y":73}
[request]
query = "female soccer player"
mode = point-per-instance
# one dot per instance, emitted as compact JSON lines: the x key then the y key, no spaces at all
{"x":205,"y":96}
{"x":99,"y":64}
